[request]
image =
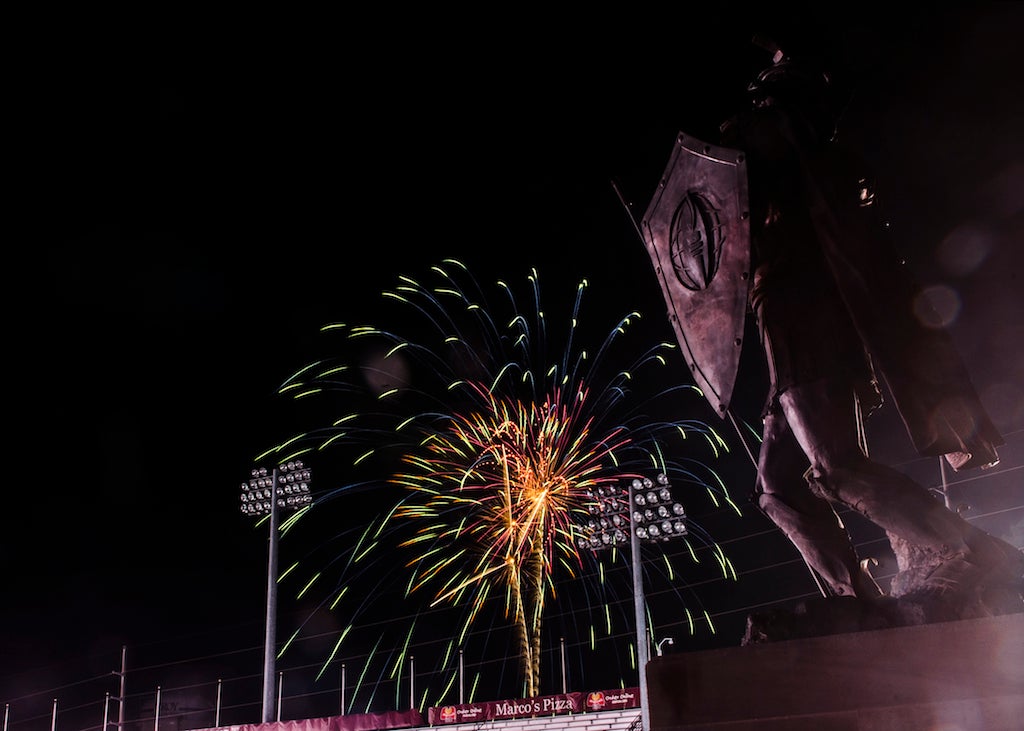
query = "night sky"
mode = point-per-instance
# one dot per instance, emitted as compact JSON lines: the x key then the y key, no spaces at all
{"x":200,"y":197}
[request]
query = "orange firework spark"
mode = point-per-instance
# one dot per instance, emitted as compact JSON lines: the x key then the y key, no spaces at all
{"x":500,"y":516}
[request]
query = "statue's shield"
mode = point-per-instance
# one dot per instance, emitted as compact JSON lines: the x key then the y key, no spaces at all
{"x":697,"y":231}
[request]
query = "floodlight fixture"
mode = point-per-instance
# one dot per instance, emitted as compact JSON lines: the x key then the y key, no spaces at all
{"x":285,"y":488}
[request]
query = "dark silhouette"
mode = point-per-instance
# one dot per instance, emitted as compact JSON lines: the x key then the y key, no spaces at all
{"x":834,"y":307}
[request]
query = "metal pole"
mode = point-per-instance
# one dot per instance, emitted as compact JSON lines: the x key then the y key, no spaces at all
{"x":412,"y":682}
{"x":53,"y":716}
{"x":156,"y":712}
{"x":106,"y":710}
{"x":270,"y":640}
{"x":216,"y":713}
{"x":564,"y":686}
{"x":343,"y":689}
{"x":120,"y":700}
{"x":462,"y":679}
{"x":280,"y":688}
{"x":945,"y":484}
{"x":7,"y":715}
{"x":641,"y":620}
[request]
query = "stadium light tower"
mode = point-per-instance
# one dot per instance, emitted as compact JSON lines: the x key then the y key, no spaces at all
{"x":644,"y":512}
{"x":284,"y":489}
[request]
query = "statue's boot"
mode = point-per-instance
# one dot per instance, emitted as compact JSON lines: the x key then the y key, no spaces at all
{"x":808,"y":520}
{"x":824,"y":422}
{"x":818,"y":534}
{"x":966,"y":555}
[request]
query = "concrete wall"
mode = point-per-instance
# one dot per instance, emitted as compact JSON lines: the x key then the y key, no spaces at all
{"x":966,"y":675}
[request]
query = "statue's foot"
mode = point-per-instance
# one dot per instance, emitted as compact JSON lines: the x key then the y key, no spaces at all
{"x":977,"y":573}
{"x":952,"y":576}
{"x":999,"y":561}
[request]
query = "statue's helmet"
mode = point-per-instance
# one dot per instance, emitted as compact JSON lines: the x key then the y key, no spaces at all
{"x":799,"y":84}
{"x":789,"y":79}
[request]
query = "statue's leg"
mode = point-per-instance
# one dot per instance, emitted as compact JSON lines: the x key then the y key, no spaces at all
{"x":807,"y":520}
{"x":823,"y":419}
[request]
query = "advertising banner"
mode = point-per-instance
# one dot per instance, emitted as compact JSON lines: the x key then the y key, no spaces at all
{"x":613,"y":700}
{"x":548,"y":705}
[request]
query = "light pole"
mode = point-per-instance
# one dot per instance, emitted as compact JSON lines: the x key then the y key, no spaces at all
{"x":650,"y":515}
{"x":663,"y":641}
{"x":285,"y":488}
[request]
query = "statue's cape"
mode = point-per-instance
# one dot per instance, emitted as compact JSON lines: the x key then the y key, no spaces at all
{"x":921,"y":366}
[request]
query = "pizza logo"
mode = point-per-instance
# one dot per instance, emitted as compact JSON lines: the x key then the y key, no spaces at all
{"x":595,"y":700}
{"x":448,"y":714}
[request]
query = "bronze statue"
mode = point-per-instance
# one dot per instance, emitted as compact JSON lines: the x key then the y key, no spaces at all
{"x":834,"y":309}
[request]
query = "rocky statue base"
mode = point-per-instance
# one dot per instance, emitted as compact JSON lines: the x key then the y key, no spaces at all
{"x":926,"y":590}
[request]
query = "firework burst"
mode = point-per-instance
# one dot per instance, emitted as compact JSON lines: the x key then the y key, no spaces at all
{"x":483,"y":451}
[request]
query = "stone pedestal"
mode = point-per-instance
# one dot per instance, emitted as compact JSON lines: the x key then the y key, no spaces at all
{"x":966,"y":675}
